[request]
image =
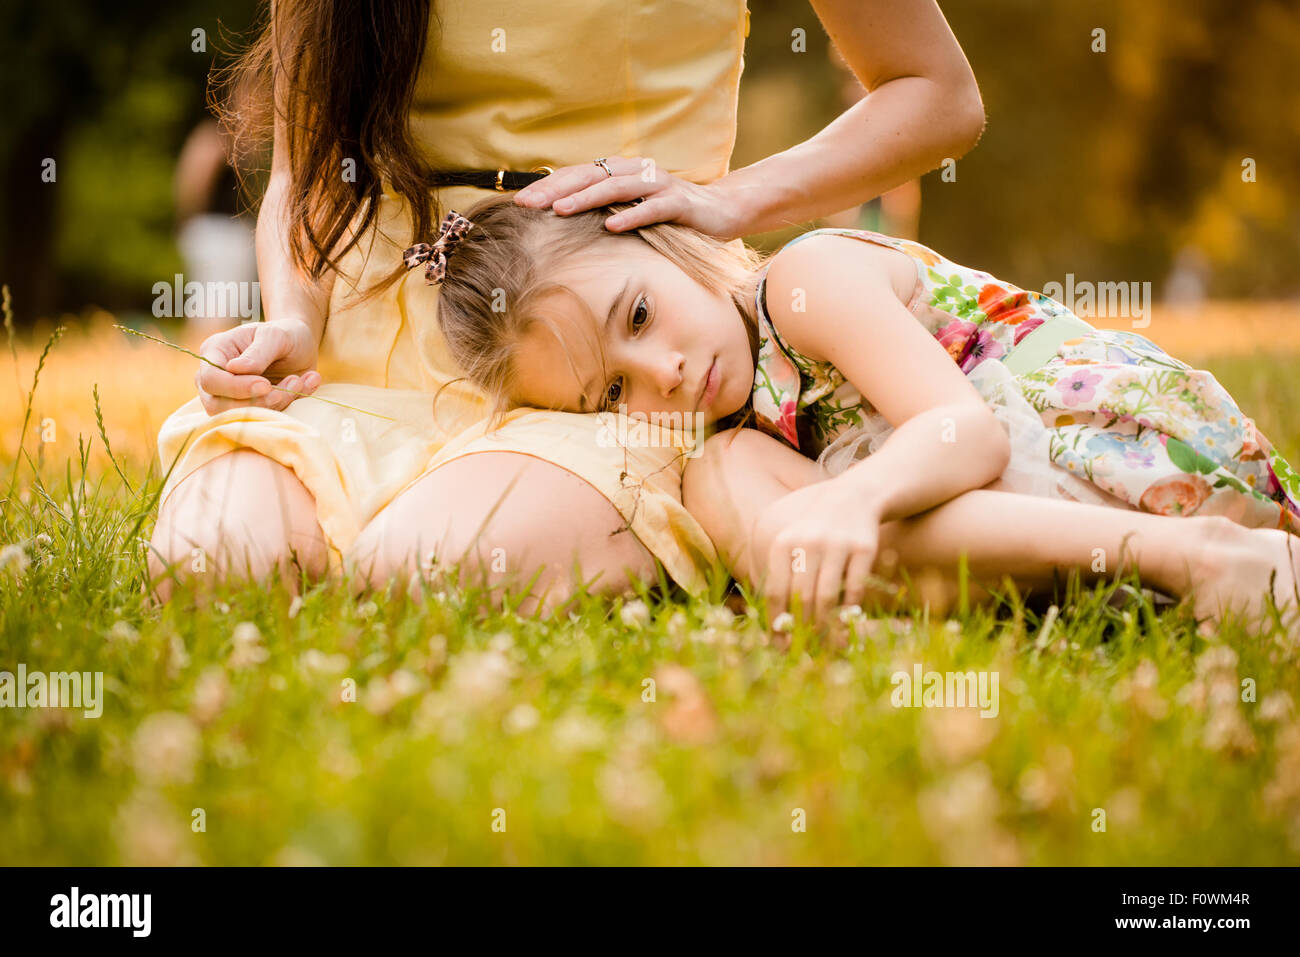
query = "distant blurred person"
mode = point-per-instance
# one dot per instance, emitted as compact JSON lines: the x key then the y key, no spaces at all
{"x":216,"y":238}
{"x":1189,"y":279}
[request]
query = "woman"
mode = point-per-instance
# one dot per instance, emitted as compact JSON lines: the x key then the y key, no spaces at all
{"x":370,"y":472}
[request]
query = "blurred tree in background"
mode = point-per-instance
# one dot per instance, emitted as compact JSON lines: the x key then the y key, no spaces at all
{"x":1105,"y":164}
{"x":1108,"y":164}
{"x":1112,"y":165}
{"x":109,"y":92}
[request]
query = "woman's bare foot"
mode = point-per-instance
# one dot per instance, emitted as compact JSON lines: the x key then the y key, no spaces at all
{"x":1237,"y":568}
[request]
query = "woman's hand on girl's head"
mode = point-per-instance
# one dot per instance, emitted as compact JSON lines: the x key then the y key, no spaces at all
{"x":667,"y":198}
{"x":250,"y":356}
{"x":818,"y":543}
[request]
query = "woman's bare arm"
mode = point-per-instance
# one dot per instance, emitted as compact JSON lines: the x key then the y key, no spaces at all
{"x":284,"y":346}
{"x":286,"y":292}
{"x":923,"y":106}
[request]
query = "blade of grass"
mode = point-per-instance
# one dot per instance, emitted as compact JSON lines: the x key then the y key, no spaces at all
{"x":103,"y":435}
{"x":31,"y":395}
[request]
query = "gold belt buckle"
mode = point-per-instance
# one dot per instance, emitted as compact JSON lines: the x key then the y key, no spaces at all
{"x":501,"y":175}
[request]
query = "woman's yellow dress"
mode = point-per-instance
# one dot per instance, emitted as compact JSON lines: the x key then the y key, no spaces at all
{"x":505,"y":84}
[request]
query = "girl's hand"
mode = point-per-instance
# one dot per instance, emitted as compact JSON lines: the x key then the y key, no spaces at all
{"x":667,"y":199}
{"x":253,"y":355}
{"x":819,"y":543}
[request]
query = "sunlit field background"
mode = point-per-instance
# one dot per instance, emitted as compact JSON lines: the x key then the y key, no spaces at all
{"x":228,"y":735}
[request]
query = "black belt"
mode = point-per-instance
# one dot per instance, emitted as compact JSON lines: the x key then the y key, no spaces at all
{"x":502,"y":180}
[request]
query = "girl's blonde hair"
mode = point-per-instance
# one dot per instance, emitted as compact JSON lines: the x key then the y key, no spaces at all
{"x":497,"y":273}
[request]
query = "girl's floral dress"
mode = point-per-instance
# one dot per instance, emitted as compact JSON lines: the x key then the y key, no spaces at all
{"x":1110,"y":418}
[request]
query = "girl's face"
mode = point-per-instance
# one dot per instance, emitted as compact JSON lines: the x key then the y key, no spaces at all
{"x":654,"y":341}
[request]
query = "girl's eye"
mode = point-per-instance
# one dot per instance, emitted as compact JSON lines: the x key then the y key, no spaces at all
{"x":613,"y":393}
{"x":639,"y":310}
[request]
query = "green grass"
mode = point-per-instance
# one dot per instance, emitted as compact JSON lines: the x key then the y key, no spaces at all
{"x":461,"y":712}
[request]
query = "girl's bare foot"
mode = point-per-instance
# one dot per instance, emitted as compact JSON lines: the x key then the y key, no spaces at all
{"x":1238,"y":568}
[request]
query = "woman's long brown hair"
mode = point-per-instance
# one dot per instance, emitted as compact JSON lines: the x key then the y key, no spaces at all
{"x":341,"y":74}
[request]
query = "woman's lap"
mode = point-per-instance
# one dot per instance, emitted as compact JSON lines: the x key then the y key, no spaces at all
{"x":501,"y":515}
{"x":575,"y":493}
{"x":514,"y":516}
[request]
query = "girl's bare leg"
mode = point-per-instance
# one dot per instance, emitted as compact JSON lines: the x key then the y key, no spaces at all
{"x":1028,"y":539}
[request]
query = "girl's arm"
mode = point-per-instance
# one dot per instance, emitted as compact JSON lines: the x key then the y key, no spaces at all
{"x":837,"y":299}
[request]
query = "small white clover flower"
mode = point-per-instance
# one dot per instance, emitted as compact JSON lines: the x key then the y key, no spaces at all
{"x":380,"y":696}
{"x":124,"y":631}
{"x":248,"y":650}
{"x":521,"y":718}
{"x":577,"y":732}
{"x":839,"y":673}
{"x":635,"y":614}
{"x":476,"y":677}
{"x":850,"y":613}
{"x":317,"y":661}
{"x":1275,"y":707}
{"x":210,"y":693}
{"x":14,"y":556}
{"x":405,"y":683}
{"x":165,"y":747}
{"x":719,"y":616}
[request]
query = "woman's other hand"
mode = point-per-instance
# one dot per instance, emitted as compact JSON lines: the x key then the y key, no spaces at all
{"x":251,"y":357}
{"x":667,"y":198}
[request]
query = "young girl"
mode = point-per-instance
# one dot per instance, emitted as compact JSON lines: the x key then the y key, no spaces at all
{"x":907,"y":409}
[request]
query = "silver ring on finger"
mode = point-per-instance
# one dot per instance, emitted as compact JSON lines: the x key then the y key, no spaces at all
{"x":604,"y":165}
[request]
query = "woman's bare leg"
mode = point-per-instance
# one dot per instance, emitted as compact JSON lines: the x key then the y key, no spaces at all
{"x":1028,"y":539}
{"x":503,"y":517}
{"x":242,"y":515}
